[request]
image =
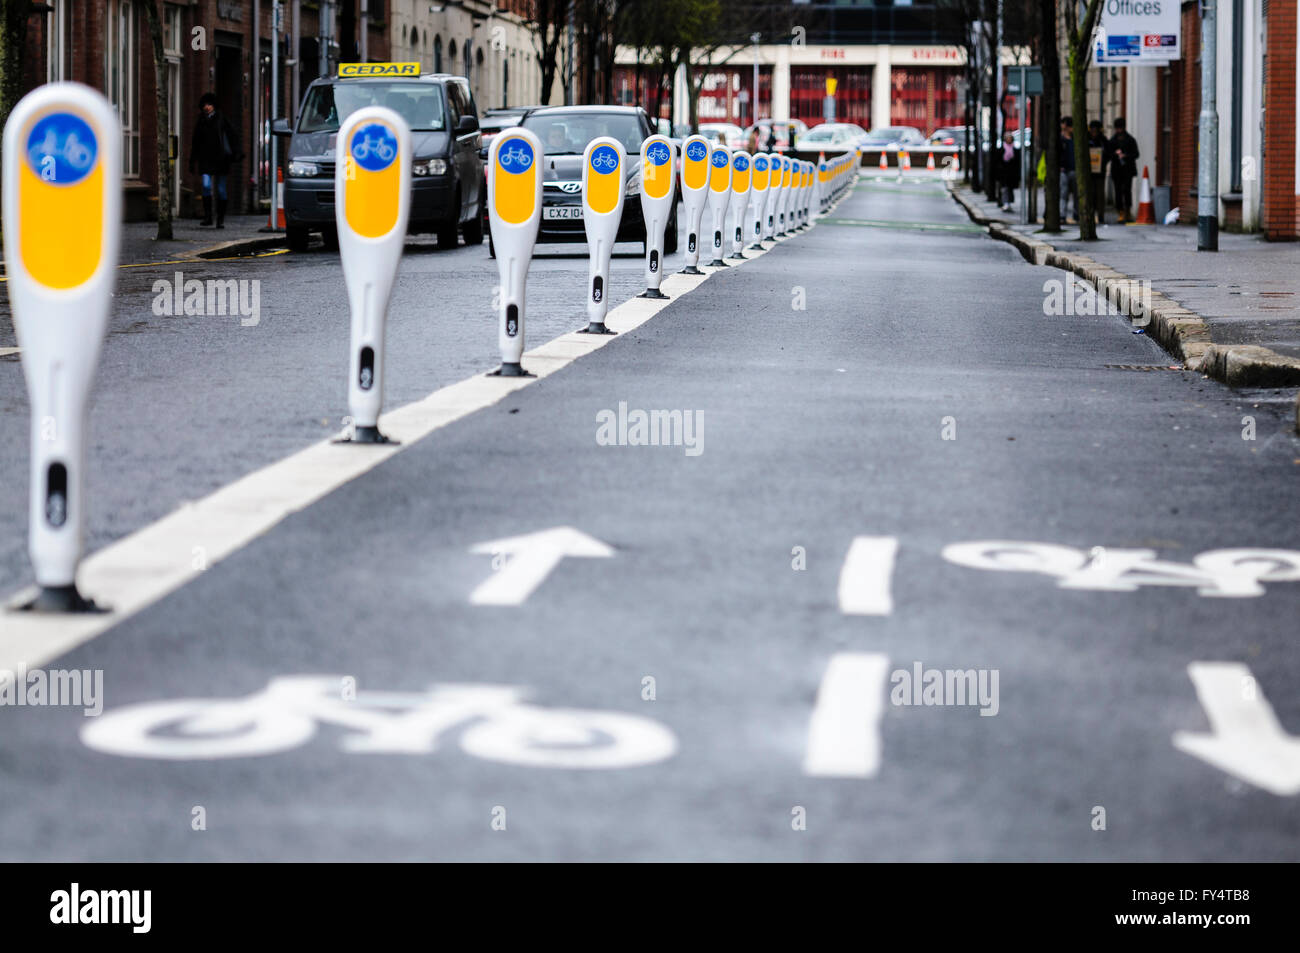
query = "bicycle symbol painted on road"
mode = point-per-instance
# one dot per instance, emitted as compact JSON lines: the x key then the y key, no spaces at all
{"x":515,"y":156}
{"x":494,"y":721}
{"x":61,"y":149}
{"x":657,"y":153}
{"x":604,"y":159}
{"x":373,"y":147}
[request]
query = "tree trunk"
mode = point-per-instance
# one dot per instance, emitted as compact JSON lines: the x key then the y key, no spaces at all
{"x":1082,"y":164}
{"x":14,"y":15}
{"x":1049,"y":133}
{"x":162,"y":123}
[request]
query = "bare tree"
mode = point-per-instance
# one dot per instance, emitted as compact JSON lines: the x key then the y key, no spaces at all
{"x":1049,"y":135}
{"x":551,"y":19}
{"x":162,"y":123}
{"x":1078,"y":54}
{"x":14,"y":15}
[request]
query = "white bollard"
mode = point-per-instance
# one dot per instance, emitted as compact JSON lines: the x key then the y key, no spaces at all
{"x":773,"y":197}
{"x":695,"y":193}
{"x":514,"y":210}
{"x":62,"y":228}
{"x":719,"y":199}
{"x":604,"y":165}
{"x":758,"y":199}
{"x":657,"y":201}
{"x":372,"y":188}
{"x":741,"y":176}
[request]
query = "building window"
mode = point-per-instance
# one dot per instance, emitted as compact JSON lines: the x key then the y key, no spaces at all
{"x":437,"y":54}
{"x":469,"y":63}
{"x":122,"y":78}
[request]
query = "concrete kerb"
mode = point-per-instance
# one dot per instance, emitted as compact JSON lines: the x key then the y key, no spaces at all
{"x":242,"y":246}
{"x":1184,"y":333}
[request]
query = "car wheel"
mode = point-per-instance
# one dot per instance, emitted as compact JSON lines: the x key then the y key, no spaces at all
{"x":297,"y":237}
{"x":473,"y":229}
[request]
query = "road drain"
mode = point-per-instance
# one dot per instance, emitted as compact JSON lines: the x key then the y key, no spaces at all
{"x":1143,"y":367}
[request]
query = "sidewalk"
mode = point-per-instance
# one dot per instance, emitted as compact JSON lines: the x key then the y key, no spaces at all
{"x":1233,"y":315}
{"x":240,"y":236}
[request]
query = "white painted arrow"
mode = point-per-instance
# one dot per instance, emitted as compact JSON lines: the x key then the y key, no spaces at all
{"x":531,"y":559}
{"x":1245,"y":738}
{"x":844,"y":732}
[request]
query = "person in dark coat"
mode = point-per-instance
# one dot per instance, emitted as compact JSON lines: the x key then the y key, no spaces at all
{"x":1006,"y":171}
{"x":214,"y":148}
{"x":1068,"y":178}
{"x":1123,"y":167}
{"x":1097,"y":140}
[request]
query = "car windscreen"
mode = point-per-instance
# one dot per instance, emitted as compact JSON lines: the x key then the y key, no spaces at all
{"x":567,"y":134}
{"x":420,"y":104}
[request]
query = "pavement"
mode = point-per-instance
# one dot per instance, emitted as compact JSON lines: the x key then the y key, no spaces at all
{"x":1245,"y":297}
{"x":902,"y":462}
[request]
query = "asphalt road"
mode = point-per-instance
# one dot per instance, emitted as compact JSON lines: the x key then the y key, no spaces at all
{"x":814,"y":427}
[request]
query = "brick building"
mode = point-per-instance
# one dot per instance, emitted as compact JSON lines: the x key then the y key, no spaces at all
{"x":218,"y":45}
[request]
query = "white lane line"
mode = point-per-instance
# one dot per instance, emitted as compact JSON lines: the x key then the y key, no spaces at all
{"x":1245,"y":738}
{"x":844,"y":731}
{"x":6,"y":351}
{"x":867,"y":577}
{"x":138,"y":570}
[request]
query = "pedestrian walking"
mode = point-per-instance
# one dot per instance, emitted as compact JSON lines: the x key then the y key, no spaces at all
{"x":1068,"y":178}
{"x":1099,"y":158}
{"x":1123,"y":167}
{"x":752,"y":146}
{"x":214,"y":148}
{"x":1006,"y":171}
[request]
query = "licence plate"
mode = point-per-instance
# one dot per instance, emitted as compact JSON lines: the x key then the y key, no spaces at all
{"x":562,"y":212}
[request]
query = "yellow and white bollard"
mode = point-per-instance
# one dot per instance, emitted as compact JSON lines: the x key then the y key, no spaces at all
{"x":719,"y":199}
{"x":604,"y":165}
{"x":62,"y":228}
{"x":695,"y":194}
{"x":758,"y":199}
{"x":514,"y":210}
{"x":741,"y":176}
{"x":657,"y":200}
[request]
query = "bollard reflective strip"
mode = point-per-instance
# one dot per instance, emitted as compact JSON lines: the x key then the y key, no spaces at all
{"x":604,"y":167}
{"x":695,"y":182}
{"x":719,"y":200}
{"x":372,"y":188}
{"x":62,"y":192}
{"x":657,"y":202}
{"x":514,"y":212}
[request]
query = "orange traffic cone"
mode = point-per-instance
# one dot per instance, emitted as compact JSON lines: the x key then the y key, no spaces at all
{"x":884,"y":163}
{"x":277,"y":203}
{"x":907,"y":161}
{"x":1146,"y":211}
{"x":929,"y":163}
{"x":956,"y":162}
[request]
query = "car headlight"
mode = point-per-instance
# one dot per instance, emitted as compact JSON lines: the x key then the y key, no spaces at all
{"x":430,"y":167}
{"x":303,"y":170}
{"x":633,"y":184}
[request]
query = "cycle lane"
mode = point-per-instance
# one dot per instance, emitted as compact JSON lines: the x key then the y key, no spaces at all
{"x":814,"y":427}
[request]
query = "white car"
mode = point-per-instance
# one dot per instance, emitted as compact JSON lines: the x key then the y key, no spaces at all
{"x":833,"y":135}
{"x":733,"y":137}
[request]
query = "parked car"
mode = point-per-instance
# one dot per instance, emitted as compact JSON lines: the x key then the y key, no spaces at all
{"x":565,"y":132}
{"x":833,"y":135}
{"x":894,"y":138}
{"x":494,"y":121}
{"x":729,"y":134}
{"x":447,"y":174}
{"x":954,"y":136}
{"x":788,"y":132}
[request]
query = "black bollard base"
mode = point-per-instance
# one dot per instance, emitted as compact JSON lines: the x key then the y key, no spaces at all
{"x":737,"y":257}
{"x":510,"y":370}
{"x":718,"y":263}
{"x":690,"y":270}
{"x":596,"y":327}
{"x":366,"y":435}
{"x":653,"y":293}
{"x":62,"y":599}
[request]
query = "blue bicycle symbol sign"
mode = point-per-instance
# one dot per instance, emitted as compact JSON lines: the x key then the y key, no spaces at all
{"x":516,"y":156}
{"x":696,"y":151}
{"x":760,"y":164}
{"x":604,"y":159}
{"x":657,"y":153}
{"x":61,"y":149}
{"x":741,"y":163}
{"x":719,"y":159}
{"x":374,"y":147}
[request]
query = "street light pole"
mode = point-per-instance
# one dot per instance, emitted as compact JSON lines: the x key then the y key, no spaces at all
{"x":754,"y":38}
{"x":1207,"y":188}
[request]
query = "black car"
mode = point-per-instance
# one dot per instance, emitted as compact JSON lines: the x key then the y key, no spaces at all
{"x":446,"y":172}
{"x":565,"y":132}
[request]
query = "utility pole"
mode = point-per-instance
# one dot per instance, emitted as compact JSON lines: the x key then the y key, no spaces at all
{"x":294,"y":63}
{"x":274,"y":176}
{"x":364,"y":45}
{"x":1207,"y":188}
{"x":754,"y":38}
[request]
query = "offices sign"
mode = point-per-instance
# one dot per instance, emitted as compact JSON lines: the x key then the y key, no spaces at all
{"x":1139,"y":33}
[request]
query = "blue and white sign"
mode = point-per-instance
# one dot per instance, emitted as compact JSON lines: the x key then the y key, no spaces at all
{"x":61,"y":148}
{"x":1139,"y":33}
